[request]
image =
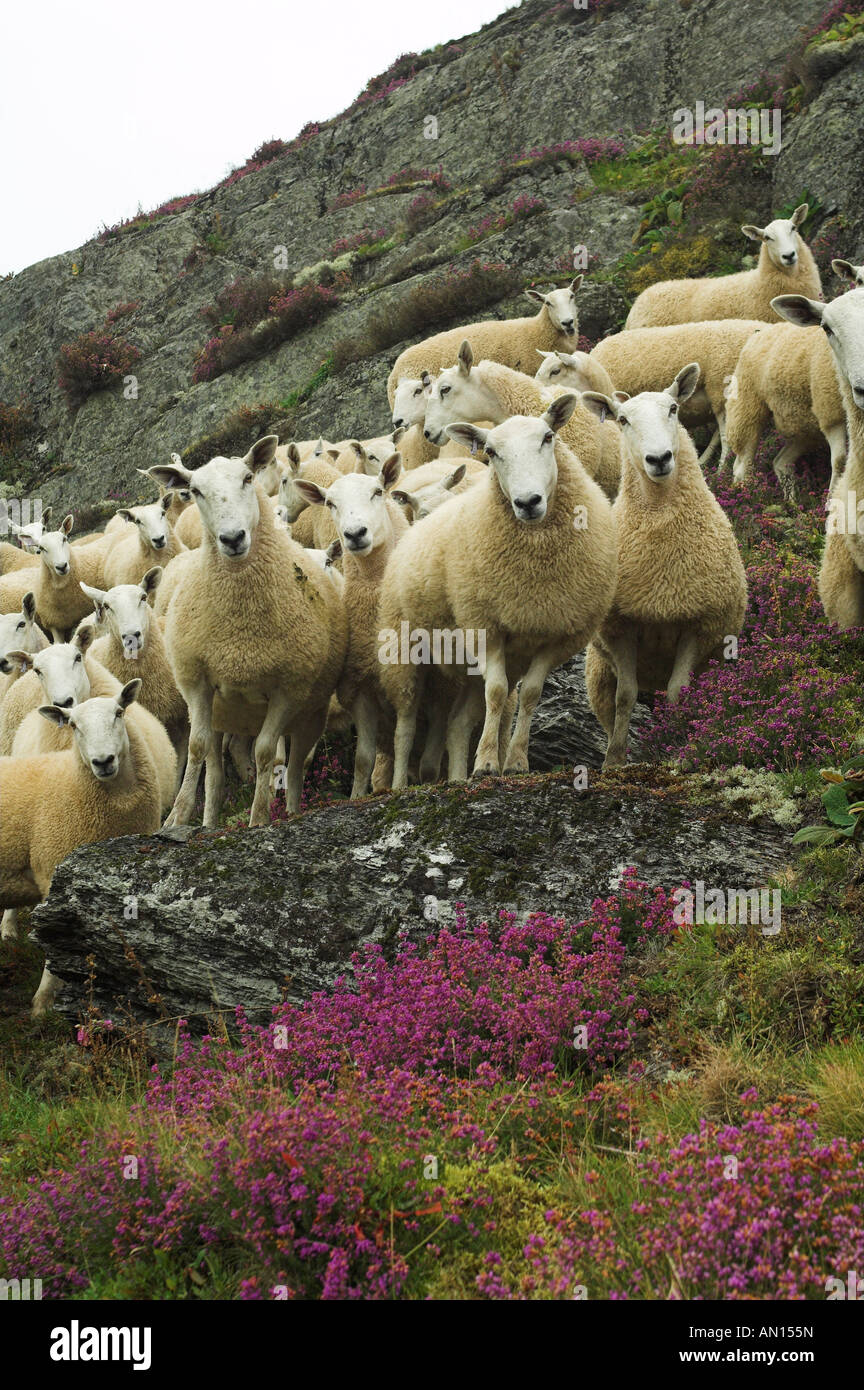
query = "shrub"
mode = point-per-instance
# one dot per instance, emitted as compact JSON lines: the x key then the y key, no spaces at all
{"x":289,"y":312}
{"x":522,"y":208}
{"x":245,"y":301}
{"x":271,"y":149}
{"x":122,"y":310}
{"x":91,"y":362}
{"x":141,"y":219}
{"x":235,"y":434}
{"x":448,"y":295}
{"x":16,"y":422}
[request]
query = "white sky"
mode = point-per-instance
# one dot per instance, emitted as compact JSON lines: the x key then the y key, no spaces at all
{"x":106,"y":106}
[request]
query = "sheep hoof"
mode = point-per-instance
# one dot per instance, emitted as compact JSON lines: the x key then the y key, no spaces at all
{"x":487,"y":768}
{"x":518,"y":767}
{"x":614,"y":760}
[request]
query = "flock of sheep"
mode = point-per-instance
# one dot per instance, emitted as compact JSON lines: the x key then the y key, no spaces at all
{"x":517,"y":514}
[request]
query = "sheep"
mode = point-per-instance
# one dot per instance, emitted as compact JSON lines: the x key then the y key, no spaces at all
{"x":645,"y":359}
{"x":18,"y":631}
{"x":681,"y":588}
{"x":153,"y":538}
{"x":314,"y":529}
{"x":253,"y":621}
{"x":133,"y":643}
{"x":172,"y":577}
{"x":188,"y":528}
{"x":307,"y":449}
{"x":369,"y":526}
{"x":509,"y":341}
{"x":855,"y":273}
{"x":785,"y":265}
{"x":841,"y":576}
{"x":23,"y":555}
{"x":788,"y":374}
{"x":60,"y":604}
{"x":105,"y":786}
{"x":409,"y":415}
{"x":181,"y":498}
{"x":528,"y":559}
{"x":490,"y":391}
{"x":574,"y":371}
{"x":421,"y":490}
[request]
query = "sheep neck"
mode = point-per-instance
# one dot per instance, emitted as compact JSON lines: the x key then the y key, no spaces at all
{"x":652,"y":494}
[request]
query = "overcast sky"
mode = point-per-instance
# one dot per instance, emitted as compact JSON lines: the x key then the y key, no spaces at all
{"x":105,"y":106}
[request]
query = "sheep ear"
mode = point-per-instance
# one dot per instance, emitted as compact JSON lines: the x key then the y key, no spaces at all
{"x":574,"y":284}
{"x":263,"y":451}
{"x":686,"y":381}
{"x":541,"y":352}
{"x":333,"y":454}
{"x":798,"y":309}
{"x":621,"y":396}
{"x":67,"y":523}
{"x":535,"y":294}
{"x":560,"y":410}
{"x":294,"y":456}
{"x":465,"y":359}
{"x":24,"y":659}
{"x":845,"y":268}
{"x":84,"y":636}
{"x":313,"y":494}
{"x":319,"y":447}
{"x":454,"y":479}
{"x":152,"y":579}
{"x":397,"y":434}
{"x":334,"y":551}
{"x":46,"y":515}
{"x":28,"y":605}
{"x":405,"y":499}
{"x":174,"y":476}
{"x":97,"y":598}
{"x":800,"y":214}
{"x":754,"y":233}
{"x":600,"y":405}
{"x":167,"y":499}
{"x":129,"y":693}
{"x":390,"y":471}
{"x":426,"y":380}
{"x":465,"y":433}
{"x":126,"y":514}
{"x":54,"y":713}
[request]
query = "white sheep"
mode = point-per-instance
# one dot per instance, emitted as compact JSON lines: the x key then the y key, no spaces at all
{"x":18,"y":631}
{"x":313,"y":529}
{"x":573,"y":371}
{"x":409,"y":416}
{"x":848,"y":271}
{"x":785,"y":265}
{"x":133,"y":645}
{"x":253,"y":621}
{"x":106,"y":785}
{"x":841,"y":577}
{"x":523,"y":564}
{"x":512,"y":342}
{"x":423,"y":489}
{"x":23,"y":555}
{"x":645,"y":359}
{"x":369,"y":525}
{"x":681,"y":588}
{"x":60,"y":604}
{"x":480,"y":391}
{"x":789,"y":375}
{"x":153,"y":539}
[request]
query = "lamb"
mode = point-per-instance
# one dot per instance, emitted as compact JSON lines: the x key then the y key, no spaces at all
{"x":681,"y":589}
{"x":785,"y":265}
{"x":134,"y":643}
{"x":645,"y":359}
{"x":18,"y":632}
{"x":254,"y":621}
{"x":60,"y":604}
{"x":788,"y":374}
{"x":153,"y":538}
{"x":841,"y":577}
{"x":490,"y":391}
{"x":105,"y":786}
{"x":510,"y":341}
{"x":526,"y":558}
{"x":369,"y":525}
{"x":574,"y":371}
{"x":422,"y":490}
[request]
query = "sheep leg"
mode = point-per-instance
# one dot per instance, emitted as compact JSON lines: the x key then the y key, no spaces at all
{"x":305,"y":733}
{"x":382,"y":771}
{"x":276,"y":720}
{"x":214,"y":782}
{"x":692,"y":648}
{"x":466,"y":712}
{"x":364,"y":712}
{"x":623,"y":657}
{"x":531,"y":689}
{"x":496,"y":690}
{"x":45,"y":995}
{"x":9,"y":924}
{"x":433,"y":749}
{"x":199,"y":702}
{"x":725,"y":459}
{"x":836,"y":437}
{"x":784,"y":464}
{"x":709,"y":449}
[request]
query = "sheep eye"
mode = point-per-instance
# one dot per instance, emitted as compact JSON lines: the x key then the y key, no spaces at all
{"x":673,"y":410}
{"x":78,"y":658}
{"x":490,"y":453}
{"x":419,"y":391}
{"x":18,"y":626}
{"x":247,"y":479}
{"x":444,"y":390}
{"x":766,"y":237}
{"x":547,"y":438}
{"x":622,"y":420}
{"x":328,"y":504}
{"x":196,"y":491}
{"x":556,"y":371}
{"x":828,"y":329}
{"x":379,"y":492}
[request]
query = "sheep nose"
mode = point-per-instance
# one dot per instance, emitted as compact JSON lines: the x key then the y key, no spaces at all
{"x":65,"y":704}
{"x":103,"y":766}
{"x":158,"y":542}
{"x":397,"y":424}
{"x":658,"y":460}
{"x":567,"y":325}
{"x":232,"y":540}
{"x":789,"y":257}
{"x":355,"y":538}
{"x":62,"y":569}
{"x":528,"y":505}
{"x":427,"y":434}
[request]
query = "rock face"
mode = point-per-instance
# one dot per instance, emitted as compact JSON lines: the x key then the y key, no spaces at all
{"x":536,"y":76}
{"x":185,"y":923}
{"x":564,"y":732}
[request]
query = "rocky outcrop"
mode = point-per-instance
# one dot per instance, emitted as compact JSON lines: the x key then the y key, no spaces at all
{"x":536,"y":76}
{"x":187,"y":923}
